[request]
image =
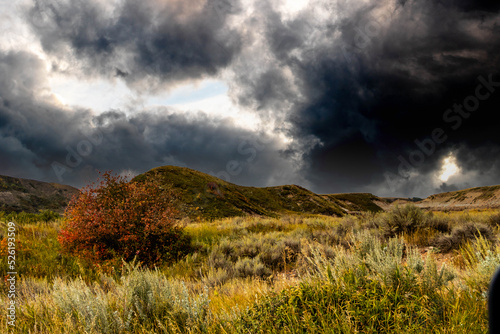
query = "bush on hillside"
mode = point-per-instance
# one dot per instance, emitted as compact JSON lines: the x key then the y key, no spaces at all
{"x":116,"y":219}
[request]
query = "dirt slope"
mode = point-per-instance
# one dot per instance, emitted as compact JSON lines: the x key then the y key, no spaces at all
{"x":472,"y":198}
{"x":18,"y":195}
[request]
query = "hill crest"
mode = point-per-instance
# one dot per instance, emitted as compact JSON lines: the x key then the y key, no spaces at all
{"x":205,"y":196}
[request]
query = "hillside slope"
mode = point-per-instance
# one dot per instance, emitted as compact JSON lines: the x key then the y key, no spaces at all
{"x":18,"y":195}
{"x":472,"y":198}
{"x":358,"y":202}
{"x":204,"y":196}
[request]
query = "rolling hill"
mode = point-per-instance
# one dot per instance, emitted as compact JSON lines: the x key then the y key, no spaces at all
{"x":472,"y":198}
{"x":18,"y":195}
{"x":199,"y":195}
{"x":358,"y":202}
{"x":204,"y":196}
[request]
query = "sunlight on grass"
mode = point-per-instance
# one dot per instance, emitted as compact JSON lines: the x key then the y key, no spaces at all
{"x":371,"y":273}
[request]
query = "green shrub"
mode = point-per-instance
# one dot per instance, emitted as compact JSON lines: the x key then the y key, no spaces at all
{"x":440,"y":224}
{"x":246,"y":267}
{"x":216,"y":277}
{"x":365,"y":307}
{"x":254,"y":255}
{"x":494,"y":220}
{"x":82,"y":305}
{"x":406,"y":219}
{"x":48,"y":216}
{"x":460,"y":235}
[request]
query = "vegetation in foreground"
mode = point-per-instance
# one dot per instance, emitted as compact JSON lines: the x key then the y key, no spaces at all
{"x":401,"y":271}
{"x":116,"y":219}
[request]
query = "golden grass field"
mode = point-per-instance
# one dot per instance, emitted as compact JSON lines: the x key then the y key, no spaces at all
{"x":406,"y":270}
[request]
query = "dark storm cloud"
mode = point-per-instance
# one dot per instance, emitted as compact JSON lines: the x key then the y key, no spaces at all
{"x":381,"y":76}
{"x":30,"y":125}
{"x":147,"y":43}
{"x":42,"y":140}
{"x":359,"y":89}
{"x":211,"y":145}
{"x":480,"y":5}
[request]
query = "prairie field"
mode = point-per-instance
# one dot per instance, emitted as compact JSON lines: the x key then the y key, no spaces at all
{"x":401,"y":271}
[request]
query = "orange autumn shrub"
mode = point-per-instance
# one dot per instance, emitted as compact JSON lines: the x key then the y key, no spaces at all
{"x":119,"y":219}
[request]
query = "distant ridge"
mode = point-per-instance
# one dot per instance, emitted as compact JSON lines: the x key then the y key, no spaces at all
{"x":203,"y":196}
{"x":207,"y":197}
{"x":472,"y":198}
{"x":18,"y":195}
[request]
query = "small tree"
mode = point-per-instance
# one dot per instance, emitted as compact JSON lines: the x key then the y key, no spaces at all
{"x":119,"y":219}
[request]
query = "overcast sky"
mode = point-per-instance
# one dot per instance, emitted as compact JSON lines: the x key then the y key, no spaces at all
{"x":396,"y":98}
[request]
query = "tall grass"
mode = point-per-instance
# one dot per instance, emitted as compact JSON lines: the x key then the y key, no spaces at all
{"x":141,"y":301}
{"x":29,"y":218}
{"x":263,"y":275}
{"x":38,"y":253}
{"x":375,"y":288}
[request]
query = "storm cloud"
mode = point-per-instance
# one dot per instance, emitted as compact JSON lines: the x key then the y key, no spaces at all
{"x":44,"y":141}
{"x":377,"y":77}
{"x":351,"y":95}
{"x":146,"y":43}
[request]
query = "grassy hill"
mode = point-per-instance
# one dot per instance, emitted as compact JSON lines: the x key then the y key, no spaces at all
{"x":18,"y":195}
{"x":358,"y":202}
{"x":205,"y":196}
{"x":199,"y":195}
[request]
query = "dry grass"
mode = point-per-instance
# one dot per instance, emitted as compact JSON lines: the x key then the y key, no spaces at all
{"x":295,"y":274}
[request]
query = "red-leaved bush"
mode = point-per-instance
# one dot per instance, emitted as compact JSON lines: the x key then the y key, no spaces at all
{"x":118,"y":219}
